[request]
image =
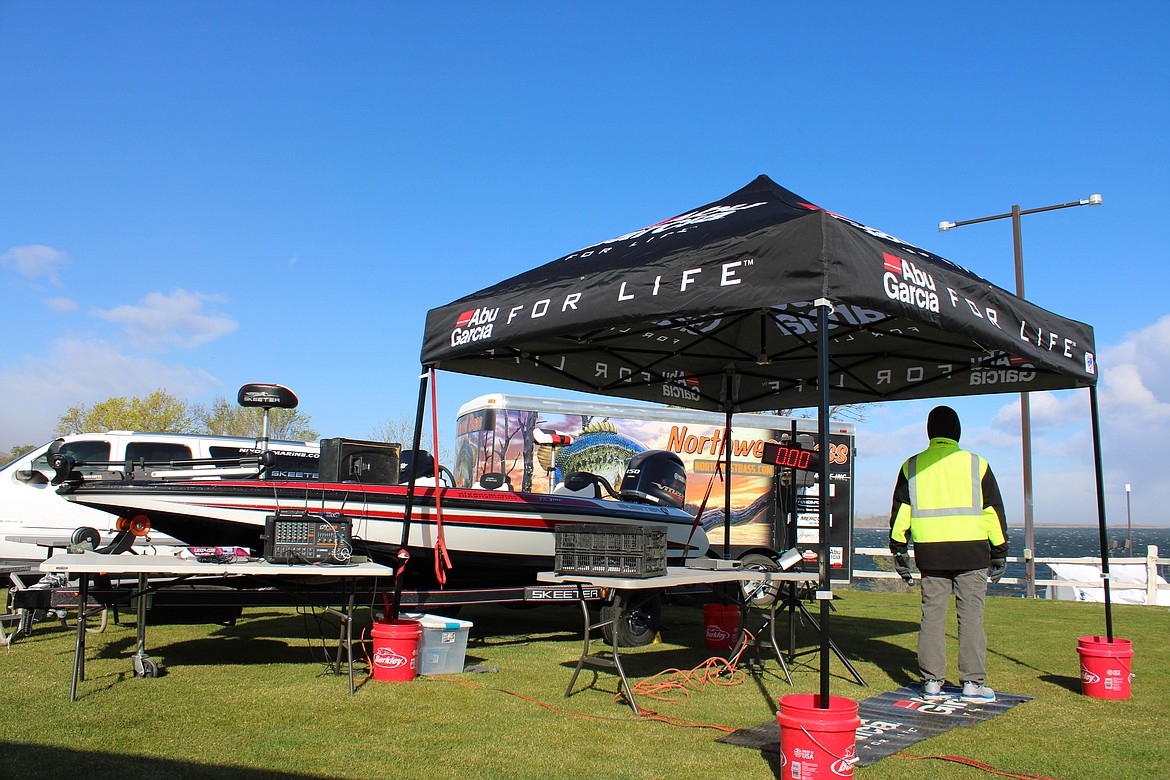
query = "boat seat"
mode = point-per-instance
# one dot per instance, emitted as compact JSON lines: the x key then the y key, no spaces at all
{"x":580,"y":483}
{"x":493,"y":480}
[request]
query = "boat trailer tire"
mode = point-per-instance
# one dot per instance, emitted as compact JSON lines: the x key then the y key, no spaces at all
{"x":640,"y":622}
{"x":759,"y":594}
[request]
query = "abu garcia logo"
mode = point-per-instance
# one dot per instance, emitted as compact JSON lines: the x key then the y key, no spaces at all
{"x":903,"y":281}
{"x":681,"y":384}
{"x":474,"y":325}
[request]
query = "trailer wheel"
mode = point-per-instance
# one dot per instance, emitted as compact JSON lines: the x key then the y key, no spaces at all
{"x":146,"y":668}
{"x":758,"y":593}
{"x":84,"y":535}
{"x":639,"y":624}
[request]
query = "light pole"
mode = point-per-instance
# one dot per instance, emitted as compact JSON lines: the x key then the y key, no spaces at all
{"x":1128,"y":524}
{"x":1025,"y":409}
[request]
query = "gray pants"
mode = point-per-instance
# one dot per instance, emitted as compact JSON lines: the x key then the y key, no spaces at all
{"x":970,"y":589}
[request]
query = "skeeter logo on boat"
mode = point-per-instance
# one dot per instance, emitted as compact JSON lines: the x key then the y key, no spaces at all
{"x":474,"y":325}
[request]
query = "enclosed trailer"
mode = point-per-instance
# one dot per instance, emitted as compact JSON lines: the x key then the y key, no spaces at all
{"x":535,"y":443}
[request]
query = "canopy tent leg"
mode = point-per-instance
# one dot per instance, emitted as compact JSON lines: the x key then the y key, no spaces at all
{"x":1101,"y":510}
{"x":730,"y":397}
{"x":824,"y":306}
{"x":403,"y":555}
{"x":727,"y":485}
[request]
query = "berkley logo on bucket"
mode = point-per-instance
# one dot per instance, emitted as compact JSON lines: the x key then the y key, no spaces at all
{"x":1089,"y":677}
{"x":388,"y":659}
{"x":718,"y":633}
{"x":843,"y":767}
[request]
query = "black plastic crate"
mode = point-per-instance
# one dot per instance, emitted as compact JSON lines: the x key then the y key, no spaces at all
{"x":611,"y":549}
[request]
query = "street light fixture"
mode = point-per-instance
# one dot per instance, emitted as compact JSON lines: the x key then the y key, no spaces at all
{"x":1025,"y":409}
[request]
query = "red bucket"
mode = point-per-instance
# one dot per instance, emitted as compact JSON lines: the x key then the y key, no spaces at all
{"x":1105,"y":666}
{"x":817,"y":743}
{"x":395,"y":649}
{"x":721,"y":623}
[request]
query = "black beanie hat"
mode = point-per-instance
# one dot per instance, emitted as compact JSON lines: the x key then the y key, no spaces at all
{"x":943,"y":421}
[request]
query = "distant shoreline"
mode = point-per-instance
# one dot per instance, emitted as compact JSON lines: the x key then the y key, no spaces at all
{"x":1112,"y":527}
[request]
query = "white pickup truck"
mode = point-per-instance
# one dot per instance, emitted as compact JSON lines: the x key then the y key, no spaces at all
{"x":31,"y":509}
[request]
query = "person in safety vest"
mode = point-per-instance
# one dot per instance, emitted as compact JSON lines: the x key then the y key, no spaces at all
{"x":947,"y":502}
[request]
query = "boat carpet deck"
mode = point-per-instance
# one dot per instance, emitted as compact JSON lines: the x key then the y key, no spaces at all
{"x":893,"y":721}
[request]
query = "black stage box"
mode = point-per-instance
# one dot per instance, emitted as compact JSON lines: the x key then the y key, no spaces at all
{"x":367,"y":462}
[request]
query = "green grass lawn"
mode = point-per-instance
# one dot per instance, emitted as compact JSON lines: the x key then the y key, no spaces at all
{"x":257,"y":700}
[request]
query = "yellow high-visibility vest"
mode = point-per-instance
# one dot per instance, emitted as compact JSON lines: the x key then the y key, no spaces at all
{"x":946,"y":498}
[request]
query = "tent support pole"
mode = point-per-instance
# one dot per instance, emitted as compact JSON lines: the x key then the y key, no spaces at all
{"x":413,"y":475}
{"x":727,"y":485}
{"x":403,"y":555}
{"x":1101,"y":510}
{"x":824,"y":593}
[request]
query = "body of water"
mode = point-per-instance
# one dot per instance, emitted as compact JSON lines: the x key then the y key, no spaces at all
{"x":1051,"y":542}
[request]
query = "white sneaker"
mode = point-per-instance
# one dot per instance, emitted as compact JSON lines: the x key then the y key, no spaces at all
{"x":932,"y":690}
{"x":977,"y":693}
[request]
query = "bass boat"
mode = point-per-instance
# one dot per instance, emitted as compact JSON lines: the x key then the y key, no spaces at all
{"x":495,"y":537}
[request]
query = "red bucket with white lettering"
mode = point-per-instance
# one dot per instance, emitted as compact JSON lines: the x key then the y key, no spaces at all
{"x":721,"y":626}
{"x":1105,"y":666}
{"x":817,"y":743}
{"x":395,"y":649}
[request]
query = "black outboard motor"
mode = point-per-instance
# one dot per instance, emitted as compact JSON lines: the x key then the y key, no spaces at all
{"x":655,"y":477}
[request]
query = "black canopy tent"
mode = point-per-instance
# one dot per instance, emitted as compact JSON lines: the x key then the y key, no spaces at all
{"x":762,"y":301}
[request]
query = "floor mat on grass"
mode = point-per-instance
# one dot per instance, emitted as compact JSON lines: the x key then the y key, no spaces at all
{"x":893,"y":721}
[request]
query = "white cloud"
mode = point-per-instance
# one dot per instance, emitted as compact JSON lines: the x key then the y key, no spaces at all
{"x":1134,"y":405}
{"x":179,"y":319}
{"x":61,"y":304}
{"x":1135,"y":375}
{"x":37,"y":391}
{"x":35,"y":260}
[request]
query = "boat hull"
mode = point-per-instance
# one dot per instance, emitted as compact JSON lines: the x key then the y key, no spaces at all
{"x":495,"y":537}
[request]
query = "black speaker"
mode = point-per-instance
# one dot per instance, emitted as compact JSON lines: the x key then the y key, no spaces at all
{"x":367,"y":462}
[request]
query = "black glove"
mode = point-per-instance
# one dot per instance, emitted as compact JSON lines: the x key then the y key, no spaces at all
{"x":996,"y":569}
{"x":902,"y":566}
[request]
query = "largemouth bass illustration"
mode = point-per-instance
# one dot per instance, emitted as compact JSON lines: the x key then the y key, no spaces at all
{"x":598,"y":449}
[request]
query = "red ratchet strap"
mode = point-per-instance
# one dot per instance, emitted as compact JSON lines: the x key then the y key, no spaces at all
{"x":703,"y":506}
{"x":442,"y":559}
{"x":710,"y":482}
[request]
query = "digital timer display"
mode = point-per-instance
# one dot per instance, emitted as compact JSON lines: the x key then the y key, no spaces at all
{"x":790,"y":456}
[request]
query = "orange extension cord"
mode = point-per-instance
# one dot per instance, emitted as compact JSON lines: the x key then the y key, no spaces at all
{"x":677,"y":685}
{"x":973,"y":763}
{"x":643,"y":713}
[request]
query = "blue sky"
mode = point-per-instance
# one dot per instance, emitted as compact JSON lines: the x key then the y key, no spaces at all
{"x":199,"y":195}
